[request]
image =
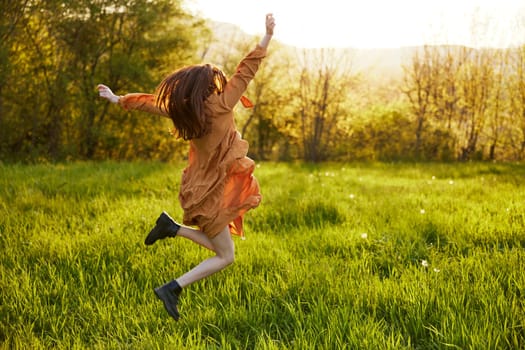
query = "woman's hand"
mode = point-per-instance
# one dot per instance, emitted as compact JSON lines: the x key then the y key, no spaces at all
{"x":106,"y":93}
{"x":270,"y":24}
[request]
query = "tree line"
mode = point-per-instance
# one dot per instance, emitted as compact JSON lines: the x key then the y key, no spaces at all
{"x":467,"y":103}
{"x":452,"y":103}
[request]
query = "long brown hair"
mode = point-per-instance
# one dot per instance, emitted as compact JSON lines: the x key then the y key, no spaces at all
{"x":182,"y":95}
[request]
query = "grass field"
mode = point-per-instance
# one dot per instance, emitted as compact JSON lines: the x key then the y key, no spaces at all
{"x":338,"y":256}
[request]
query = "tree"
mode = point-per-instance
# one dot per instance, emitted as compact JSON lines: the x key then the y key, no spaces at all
{"x":476,"y":84}
{"x":125,"y":44}
{"x":59,"y":54}
{"x":453,"y":92}
{"x":266,"y":122}
{"x":419,"y":88}
{"x":516,"y":88}
{"x":498,"y":105}
{"x":325,"y":79}
{"x":11,"y":22}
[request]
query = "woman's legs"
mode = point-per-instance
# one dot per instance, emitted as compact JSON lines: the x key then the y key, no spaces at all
{"x":222,"y":245}
{"x":224,"y":249}
{"x":196,"y":236}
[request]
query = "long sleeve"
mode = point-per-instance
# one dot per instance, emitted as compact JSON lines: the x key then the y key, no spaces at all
{"x":245,"y":72}
{"x":141,"y":102}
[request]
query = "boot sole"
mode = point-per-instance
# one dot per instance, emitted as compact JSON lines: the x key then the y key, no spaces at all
{"x":162,"y":225}
{"x":172,"y":311}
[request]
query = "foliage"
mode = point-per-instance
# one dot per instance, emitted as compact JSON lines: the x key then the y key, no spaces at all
{"x":452,"y":103}
{"x":357,"y":256}
{"x":60,"y":50}
{"x":322,"y":88}
{"x":463,"y":94}
{"x":377,"y":133}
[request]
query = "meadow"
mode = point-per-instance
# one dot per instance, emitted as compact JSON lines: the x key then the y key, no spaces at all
{"x":338,"y":256}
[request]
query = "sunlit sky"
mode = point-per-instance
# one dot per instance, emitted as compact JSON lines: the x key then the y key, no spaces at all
{"x":375,"y":23}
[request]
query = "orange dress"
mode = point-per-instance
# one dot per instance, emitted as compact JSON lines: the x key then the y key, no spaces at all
{"x":218,"y":186}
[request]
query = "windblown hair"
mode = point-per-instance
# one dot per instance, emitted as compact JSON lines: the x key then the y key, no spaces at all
{"x":182,"y":95}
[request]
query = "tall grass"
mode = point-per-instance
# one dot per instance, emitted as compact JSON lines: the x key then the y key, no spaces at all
{"x":338,"y":256}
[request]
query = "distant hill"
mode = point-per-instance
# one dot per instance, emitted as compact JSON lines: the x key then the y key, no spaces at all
{"x":388,"y":61}
{"x":376,"y":62}
{"x":379,"y":64}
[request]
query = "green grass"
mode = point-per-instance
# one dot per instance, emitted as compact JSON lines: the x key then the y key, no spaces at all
{"x":338,"y":256}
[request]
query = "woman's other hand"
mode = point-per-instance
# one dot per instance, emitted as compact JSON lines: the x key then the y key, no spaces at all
{"x":106,"y":93}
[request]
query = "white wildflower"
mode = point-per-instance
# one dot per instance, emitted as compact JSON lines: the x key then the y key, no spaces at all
{"x":422,"y":211}
{"x":364,"y":235}
{"x":352,"y":196}
{"x":424,"y":263}
{"x":436,"y":269}
{"x":451,"y":182}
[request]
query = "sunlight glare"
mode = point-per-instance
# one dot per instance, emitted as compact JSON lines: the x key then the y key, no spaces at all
{"x":376,"y":23}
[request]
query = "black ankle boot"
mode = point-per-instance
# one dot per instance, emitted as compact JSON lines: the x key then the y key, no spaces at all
{"x":169,"y":294}
{"x":165,"y":227}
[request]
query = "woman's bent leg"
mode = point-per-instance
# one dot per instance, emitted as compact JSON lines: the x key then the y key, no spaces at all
{"x":196,"y":236}
{"x":222,"y":245}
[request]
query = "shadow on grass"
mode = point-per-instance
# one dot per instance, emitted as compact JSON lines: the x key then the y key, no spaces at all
{"x":293,"y":216}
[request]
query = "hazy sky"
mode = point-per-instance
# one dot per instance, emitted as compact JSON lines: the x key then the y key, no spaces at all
{"x":376,"y":23}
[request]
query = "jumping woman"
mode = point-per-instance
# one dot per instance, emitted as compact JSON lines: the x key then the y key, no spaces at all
{"x":217,"y":186}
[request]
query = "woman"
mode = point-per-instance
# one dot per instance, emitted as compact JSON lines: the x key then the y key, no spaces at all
{"x":217,"y":186}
